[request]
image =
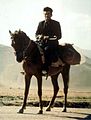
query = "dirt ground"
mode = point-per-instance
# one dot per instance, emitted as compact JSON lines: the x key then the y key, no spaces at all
{"x":10,"y":113}
{"x":14,"y":96}
{"x":10,"y":98}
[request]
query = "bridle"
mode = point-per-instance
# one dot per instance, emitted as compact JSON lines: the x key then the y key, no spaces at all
{"x":24,"y":55}
{"x":23,"y":51}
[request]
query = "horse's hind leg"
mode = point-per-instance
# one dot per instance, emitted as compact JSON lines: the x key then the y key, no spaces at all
{"x":56,"y":89}
{"x":39,"y":81}
{"x":27,"y":84}
{"x":65,"y":76}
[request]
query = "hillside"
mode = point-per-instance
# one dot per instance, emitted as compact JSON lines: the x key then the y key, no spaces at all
{"x":87,"y":53}
{"x":10,"y":75}
{"x":81,"y":75}
{"x":9,"y":68}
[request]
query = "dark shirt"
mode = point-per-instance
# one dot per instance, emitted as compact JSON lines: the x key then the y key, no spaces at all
{"x":50,"y":28}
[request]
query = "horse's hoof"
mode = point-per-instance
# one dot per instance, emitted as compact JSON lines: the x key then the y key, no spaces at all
{"x":40,"y":112}
{"x":64,"y":110}
{"x":48,"y":109}
{"x":20,"y":111}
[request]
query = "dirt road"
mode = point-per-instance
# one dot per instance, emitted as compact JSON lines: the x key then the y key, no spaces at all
{"x":10,"y":113}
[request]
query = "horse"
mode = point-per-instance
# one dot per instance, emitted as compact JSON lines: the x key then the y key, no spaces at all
{"x":27,"y":50}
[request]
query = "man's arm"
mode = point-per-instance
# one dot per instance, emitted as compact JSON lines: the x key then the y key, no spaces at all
{"x":38,"y":31}
{"x":58,"y":32}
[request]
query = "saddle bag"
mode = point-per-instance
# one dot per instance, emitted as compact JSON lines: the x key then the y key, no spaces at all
{"x":70,"y":55}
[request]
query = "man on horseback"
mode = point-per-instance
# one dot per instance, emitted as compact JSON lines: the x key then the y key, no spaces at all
{"x":47,"y":34}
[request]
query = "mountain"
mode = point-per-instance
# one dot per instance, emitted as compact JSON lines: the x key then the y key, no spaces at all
{"x":9,"y":68}
{"x":81,"y":75}
{"x":10,"y":75}
{"x":87,"y":53}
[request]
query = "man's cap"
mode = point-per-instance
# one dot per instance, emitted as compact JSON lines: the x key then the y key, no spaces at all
{"x":48,"y":9}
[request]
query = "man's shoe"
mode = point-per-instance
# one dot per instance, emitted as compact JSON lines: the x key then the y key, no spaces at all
{"x":44,"y":72}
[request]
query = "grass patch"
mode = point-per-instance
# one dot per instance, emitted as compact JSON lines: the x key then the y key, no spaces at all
{"x":74,"y":102}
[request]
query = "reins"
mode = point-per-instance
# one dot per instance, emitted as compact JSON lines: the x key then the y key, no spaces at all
{"x":24,"y":56}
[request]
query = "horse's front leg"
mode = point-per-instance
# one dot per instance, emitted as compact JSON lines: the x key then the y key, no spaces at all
{"x":39,"y":81}
{"x":65,"y":76}
{"x":56,"y":89}
{"x":27,"y":84}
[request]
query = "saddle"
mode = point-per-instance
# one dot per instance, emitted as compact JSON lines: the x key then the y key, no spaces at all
{"x":67,"y":55}
{"x":58,"y":63}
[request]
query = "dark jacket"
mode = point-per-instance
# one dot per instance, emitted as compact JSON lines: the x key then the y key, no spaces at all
{"x":51,"y":28}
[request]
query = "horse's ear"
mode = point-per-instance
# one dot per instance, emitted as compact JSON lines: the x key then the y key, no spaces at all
{"x":10,"y":33}
{"x":19,"y":30}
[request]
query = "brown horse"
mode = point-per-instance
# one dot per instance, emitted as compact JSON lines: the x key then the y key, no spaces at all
{"x":26,"y":50}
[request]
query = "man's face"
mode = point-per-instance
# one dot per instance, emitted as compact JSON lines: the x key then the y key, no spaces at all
{"x":47,"y":15}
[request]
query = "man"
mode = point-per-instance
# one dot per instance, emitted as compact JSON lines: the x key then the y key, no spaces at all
{"x":46,"y":31}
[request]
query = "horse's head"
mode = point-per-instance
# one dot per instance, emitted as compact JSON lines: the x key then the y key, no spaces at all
{"x":19,"y":42}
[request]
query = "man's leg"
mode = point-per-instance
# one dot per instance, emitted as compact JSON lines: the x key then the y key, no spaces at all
{"x":56,"y":61}
{"x":48,"y":58}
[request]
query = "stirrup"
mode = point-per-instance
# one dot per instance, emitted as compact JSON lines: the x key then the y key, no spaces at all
{"x":44,"y":72}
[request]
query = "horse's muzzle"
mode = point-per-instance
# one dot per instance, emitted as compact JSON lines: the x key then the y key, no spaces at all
{"x":19,"y":56}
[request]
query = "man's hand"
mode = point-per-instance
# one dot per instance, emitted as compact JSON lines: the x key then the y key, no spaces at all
{"x":39,"y":37}
{"x":46,"y":38}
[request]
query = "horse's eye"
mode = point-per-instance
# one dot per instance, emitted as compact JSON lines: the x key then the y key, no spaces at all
{"x":12,"y":38}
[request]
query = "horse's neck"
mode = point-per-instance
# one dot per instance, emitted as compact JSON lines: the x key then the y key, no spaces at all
{"x":33,"y":52}
{"x":27,"y":44}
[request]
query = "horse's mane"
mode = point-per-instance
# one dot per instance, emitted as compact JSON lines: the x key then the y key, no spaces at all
{"x":21,"y":35}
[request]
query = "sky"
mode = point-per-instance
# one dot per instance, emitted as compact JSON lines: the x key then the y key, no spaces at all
{"x":74,"y":17}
